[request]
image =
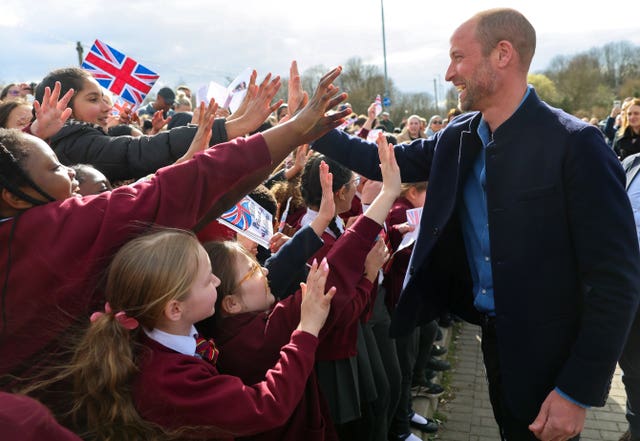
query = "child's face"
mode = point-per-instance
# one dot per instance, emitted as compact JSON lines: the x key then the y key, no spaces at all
{"x":43,"y":167}
{"x":253,"y":287}
{"x":344,"y":197}
{"x":201,"y":301}
{"x":19,"y":118}
{"x":89,"y":105}
{"x":94,"y":182}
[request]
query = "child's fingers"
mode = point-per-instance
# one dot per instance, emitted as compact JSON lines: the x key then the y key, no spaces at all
{"x":303,"y":290}
{"x":329,"y":295}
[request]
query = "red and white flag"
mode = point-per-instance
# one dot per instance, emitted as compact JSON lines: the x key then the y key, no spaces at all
{"x":119,"y":73}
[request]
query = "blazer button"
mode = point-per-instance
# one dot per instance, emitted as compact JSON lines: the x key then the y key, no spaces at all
{"x":412,"y":270}
{"x":436,"y":231}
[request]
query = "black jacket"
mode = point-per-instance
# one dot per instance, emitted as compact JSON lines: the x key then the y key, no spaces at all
{"x":126,"y":157}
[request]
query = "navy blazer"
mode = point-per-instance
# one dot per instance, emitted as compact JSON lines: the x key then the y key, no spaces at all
{"x":564,"y":253}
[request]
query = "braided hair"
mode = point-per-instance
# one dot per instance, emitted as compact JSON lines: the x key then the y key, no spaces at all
{"x":13,"y":154}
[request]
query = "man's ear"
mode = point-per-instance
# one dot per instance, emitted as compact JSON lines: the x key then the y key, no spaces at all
{"x":13,"y":201}
{"x":231,"y":304}
{"x":173,"y":310}
{"x":504,"y":53}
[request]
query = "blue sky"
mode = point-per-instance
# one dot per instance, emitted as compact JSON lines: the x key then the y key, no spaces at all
{"x":196,"y":41}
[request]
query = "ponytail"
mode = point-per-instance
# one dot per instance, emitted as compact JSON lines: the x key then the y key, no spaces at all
{"x":102,"y":370}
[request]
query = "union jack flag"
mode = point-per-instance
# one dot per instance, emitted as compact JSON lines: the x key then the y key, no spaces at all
{"x":119,"y":73}
{"x":239,"y":215}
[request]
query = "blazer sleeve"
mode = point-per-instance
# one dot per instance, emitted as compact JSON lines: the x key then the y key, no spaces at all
{"x":414,"y":159}
{"x":606,"y":247}
{"x":288,"y":265}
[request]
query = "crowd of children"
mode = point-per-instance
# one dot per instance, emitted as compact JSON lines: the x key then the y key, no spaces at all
{"x":127,"y":325}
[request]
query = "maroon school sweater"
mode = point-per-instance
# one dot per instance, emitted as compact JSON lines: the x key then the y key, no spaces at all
{"x":58,"y":250}
{"x":175,"y":390}
{"x":250,"y":342}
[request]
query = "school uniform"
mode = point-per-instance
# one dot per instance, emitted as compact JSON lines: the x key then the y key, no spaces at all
{"x":250,"y":342}
{"x":54,"y":254}
{"x":24,"y":419}
{"x":175,"y":389}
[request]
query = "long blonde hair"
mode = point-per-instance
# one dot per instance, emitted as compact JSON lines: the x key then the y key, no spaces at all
{"x":145,"y":274}
{"x":624,"y":119}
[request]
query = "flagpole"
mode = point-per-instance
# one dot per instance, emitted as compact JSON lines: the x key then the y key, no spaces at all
{"x":80,"y":51}
{"x":384,"y":52}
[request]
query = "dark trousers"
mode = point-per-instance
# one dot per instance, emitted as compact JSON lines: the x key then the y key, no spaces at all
{"x":380,"y":323}
{"x":406,"y":347}
{"x":630,"y":364}
{"x":427,"y":334}
{"x":511,"y":428}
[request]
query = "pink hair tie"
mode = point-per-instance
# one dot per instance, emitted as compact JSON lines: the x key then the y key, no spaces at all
{"x":127,"y":322}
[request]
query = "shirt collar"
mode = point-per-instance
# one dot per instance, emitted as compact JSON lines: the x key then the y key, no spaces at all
{"x":310,"y":215}
{"x":483,"y":128}
{"x":184,"y":344}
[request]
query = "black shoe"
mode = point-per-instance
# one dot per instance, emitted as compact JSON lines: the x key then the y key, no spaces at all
{"x":437,"y":350}
{"x":429,"y":374}
{"x":430,"y":390}
{"x":438,"y":365}
{"x":429,"y":427}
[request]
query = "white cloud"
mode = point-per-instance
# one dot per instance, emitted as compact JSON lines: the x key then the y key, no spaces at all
{"x":199,"y":40}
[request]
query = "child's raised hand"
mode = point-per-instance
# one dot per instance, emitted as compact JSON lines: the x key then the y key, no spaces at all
{"x":377,"y":257}
{"x":52,"y":113}
{"x":391,"y":179}
{"x":158,"y":122}
{"x":297,"y":98}
{"x":327,"y":204}
{"x":313,"y":121}
{"x":201,"y":139}
{"x":315,"y":305}
{"x":277,"y":240}
{"x":259,"y":106}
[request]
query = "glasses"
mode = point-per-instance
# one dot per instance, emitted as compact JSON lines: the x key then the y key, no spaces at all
{"x":14,"y":92}
{"x":437,"y":122}
{"x":355,"y":181}
{"x":255,"y":268}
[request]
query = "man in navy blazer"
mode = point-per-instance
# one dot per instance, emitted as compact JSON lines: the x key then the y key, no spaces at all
{"x":630,"y":358}
{"x":526,"y":230}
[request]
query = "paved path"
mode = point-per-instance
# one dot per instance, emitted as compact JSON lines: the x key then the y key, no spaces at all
{"x":469,"y":416}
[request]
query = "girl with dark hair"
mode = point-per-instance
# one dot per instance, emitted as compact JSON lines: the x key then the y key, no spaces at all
{"x":15,"y":115}
{"x":83,"y":140}
{"x":356,"y":385}
{"x":251,"y":327}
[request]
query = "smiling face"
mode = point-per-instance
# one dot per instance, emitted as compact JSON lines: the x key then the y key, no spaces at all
{"x":89,"y":105}
{"x":43,"y":167}
{"x":413,"y":125}
{"x":469,"y":70}
{"x":633,"y":117}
